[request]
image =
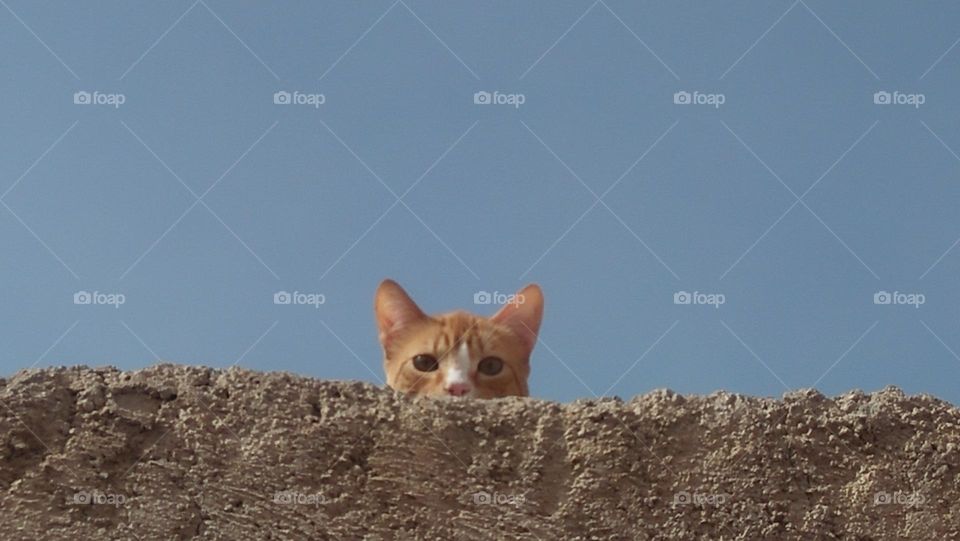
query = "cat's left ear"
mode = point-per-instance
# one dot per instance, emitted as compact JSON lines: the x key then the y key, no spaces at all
{"x":395,"y":310}
{"x":523,"y":315}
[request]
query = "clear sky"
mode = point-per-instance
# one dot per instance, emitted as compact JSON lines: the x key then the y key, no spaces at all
{"x":782,"y":190}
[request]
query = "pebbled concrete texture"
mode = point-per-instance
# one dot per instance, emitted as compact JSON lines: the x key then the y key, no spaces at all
{"x":184,"y":452}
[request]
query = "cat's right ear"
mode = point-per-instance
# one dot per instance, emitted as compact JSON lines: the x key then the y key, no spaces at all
{"x":395,"y":310}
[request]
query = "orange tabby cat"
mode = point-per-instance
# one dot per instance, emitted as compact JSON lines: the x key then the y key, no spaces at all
{"x":457,"y":353}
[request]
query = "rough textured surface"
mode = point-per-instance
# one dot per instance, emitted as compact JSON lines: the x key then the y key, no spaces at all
{"x":176,"y":452}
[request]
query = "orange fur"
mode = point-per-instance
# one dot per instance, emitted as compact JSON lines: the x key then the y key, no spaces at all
{"x":457,"y":341}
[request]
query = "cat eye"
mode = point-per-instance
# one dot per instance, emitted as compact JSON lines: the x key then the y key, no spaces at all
{"x":425,"y":363}
{"x":490,"y":366}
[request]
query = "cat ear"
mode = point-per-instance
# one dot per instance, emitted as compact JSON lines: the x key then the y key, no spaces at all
{"x":394,"y":310}
{"x":523,"y":316}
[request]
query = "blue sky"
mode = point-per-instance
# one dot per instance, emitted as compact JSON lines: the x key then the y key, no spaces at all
{"x":784,"y":191}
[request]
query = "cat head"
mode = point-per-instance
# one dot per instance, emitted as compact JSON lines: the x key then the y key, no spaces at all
{"x":457,"y":353}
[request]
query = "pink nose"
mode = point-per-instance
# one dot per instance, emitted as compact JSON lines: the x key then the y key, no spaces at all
{"x":458,"y":389}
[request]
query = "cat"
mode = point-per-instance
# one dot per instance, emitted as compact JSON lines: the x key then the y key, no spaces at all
{"x":457,"y":354}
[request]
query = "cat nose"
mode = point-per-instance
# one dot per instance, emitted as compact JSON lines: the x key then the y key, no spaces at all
{"x":458,"y":389}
